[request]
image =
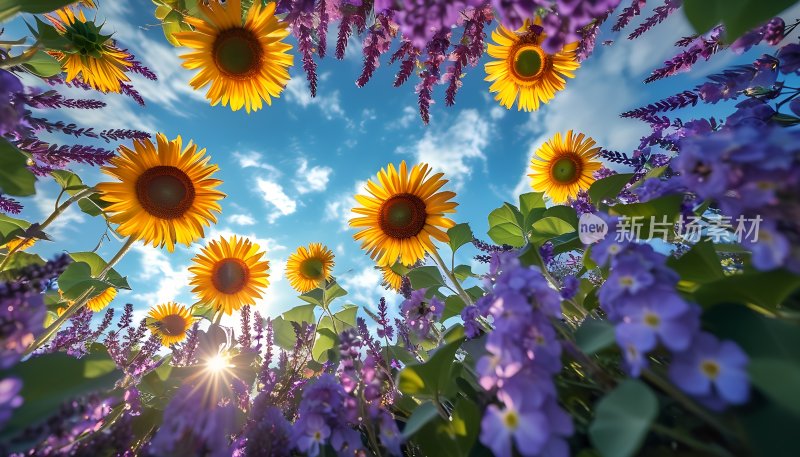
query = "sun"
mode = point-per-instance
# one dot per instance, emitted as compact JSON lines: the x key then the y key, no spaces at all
{"x":165,"y":194}
{"x":564,"y":165}
{"x":524,"y":71}
{"x":244,"y":64}
{"x":170,"y":322}
{"x":401,"y":214}
{"x":93,"y":56}
{"x":309,"y":267}
{"x":229,"y":273}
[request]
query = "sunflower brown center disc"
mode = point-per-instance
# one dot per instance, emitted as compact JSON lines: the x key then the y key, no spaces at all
{"x":165,"y":192}
{"x":172,"y":325}
{"x":528,"y":63}
{"x":565,"y":170}
{"x":403,"y":216}
{"x":312,"y":268}
{"x":230,"y":276}
{"x":238,"y":53}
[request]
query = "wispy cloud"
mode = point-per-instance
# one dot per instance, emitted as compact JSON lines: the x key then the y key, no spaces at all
{"x":275,"y":198}
{"x":241,"y":219}
{"x":253,"y":159}
{"x":170,"y":281}
{"x":311,"y":179}
{"x":328,"y":103}
{"x":339,"y":208}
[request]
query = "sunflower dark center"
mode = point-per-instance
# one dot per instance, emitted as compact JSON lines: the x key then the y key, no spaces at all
{"x":238,"y":53}
{"x":230,"y":276}
{"x":403,"y":216}
{"x":565,"y":170}
{"x":165,"y":192}
{"x":528,"y":63}
{"x":312,"y":268}
{"x":172,"y":325}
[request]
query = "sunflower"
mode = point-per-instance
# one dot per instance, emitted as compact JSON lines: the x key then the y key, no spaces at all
{"x":229,"y":273}
{"x":166,"y":194}
{"x":562,"y":166}
{"x":308,"y":268}
{"x":523,"y":68}
{"x":244,"y":63}
{"x":94,"y":56}
{"x":95,"y":303}
{"x":402,"y":213}
{"x":19,"y":244}
{"x":391,"y":279}
{"x":170,"y":321}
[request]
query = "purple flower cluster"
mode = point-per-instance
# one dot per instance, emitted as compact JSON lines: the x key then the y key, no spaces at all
{"x":419,"y":20}
{"x":704,"y":46}
{"x":640,"y":299}
{"x":772,"y":33}
{"x":582,"y":204}
{"x":324,"y":417}
{"x":524,"y":355}
{"x":12,"y":105}
{"x":421,"y":313}
{"x":9,"y":398}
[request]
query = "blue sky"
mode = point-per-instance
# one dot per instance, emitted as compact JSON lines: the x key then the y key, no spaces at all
{"x":290,"y":170}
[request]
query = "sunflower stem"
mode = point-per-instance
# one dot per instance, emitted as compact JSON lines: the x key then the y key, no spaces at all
{"x":461,"y":292}
{"x":57,"y":212}
{"x":80,"y":302}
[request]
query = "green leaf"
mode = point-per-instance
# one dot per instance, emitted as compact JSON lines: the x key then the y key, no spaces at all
{"x":48,"y":36}
{"x":314,"y":297}
{"x":422,"y":415}
{"x":77,"y":279}
{"x":300,"y":314}
{"x":331,"y":292}
{"x":505,"y":226}
{"x":531,"y":206}
{"x":50,"y":380}
{"x":19,"y":260}
{"x":9,"y":8}
{"x":657,"y":210}
{"x":622,"y":419}
{"x":778,"y":379}
{"x":326,"y":339}
{"x":700,"y":264}
{"x":43,"y":64}
{"x":97,"y":264}
{"x":595,"y":335}
{"x":15,"y":178}
{"x":432,"y":378}
{"x":548,"y":228}
{"x":565,"y":213}
{"x":425,"y":276}
{"x":92,"y":205}
{"x":284,"y":333}
{"x":767,"y":289}
{"x":453,"y":438}
{"x":608,"y":188}
{"x":462,"y":272}
{"x":459,"y":234}
{"x":344,"y":319}
{"x":738,"y":16}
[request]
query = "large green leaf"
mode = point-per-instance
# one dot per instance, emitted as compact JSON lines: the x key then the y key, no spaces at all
{"x":15,"y":178}
{"x":767,"y":289}
{"x":662,"y":211}
{"x":9,"y":8}
{"x":43,"y":64}
{"x":453,"y":438}
{"x":422,"y":415}
{"x":283,"y":328}
{"x":622,"y":419}
{"x":331,"y":292}
{"x":595,"y":335}
{"x":425,"y":276}
{"x":50,"y":380}
{"x":97,"y":264}
{"x":92,"y":205}
{"x":531,"y":206}
{"x":738,"y":16}
{"x":19,"y":260}
{"x":700,"y":264}
{"x":505,"y":226}
{"x":778,"y":379}
{"x":608,"y":188}
{"x":77,"y":279}
{"x":548,"y":228}
{"x":459,"y":235}
{"x":433,"y":378}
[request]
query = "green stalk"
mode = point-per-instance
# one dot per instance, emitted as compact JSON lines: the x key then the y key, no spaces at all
{"x":461,"y":292}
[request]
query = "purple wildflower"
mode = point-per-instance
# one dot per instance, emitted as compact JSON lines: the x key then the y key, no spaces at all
{"x":546,"y":251}
{"x":660,"y":13}
{"x":771,"y":32}
{"x":9,"y":398}
{"x":419,"y":20}
{"x":789,"y":57}
{"x":628,"y":13}
{"x":704,"y":46}
{"x":569,"y":287}
{"x":9,"y":205}
{"x":12,"y":109}
{"x":582,"y":204}
{"x":420,"y":313}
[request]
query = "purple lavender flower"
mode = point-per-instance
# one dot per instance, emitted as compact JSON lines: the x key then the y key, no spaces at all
{"x":419,"y":20}
{"x":714,"y":371}
{"x":789,"y":57}
{"x":22,"y":314}
{"x":12,"y":109}
{"x":569,"y":287}
{"x":9,"y":398}
{"x":269,"y":435}
{"x":660,"y":13}
{"x":420,"y":313}
{"x":770,"y":249}
{"x":771,"y":32}
{"x":325,"y":415}
{"x":472,"y":328}
{"x":582,"y":204}
{"x":546,"y":251}
{"x":704,"y":46}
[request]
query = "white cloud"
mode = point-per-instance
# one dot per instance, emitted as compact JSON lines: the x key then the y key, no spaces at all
{"x":241,"y":219}
{"x":156,"y":267}
{"x":364,"y":288}
{"x":314,"y":179}
{"x":497,"y":113}
{"x":454,"y":149}
{"x":339,"y":208}
{"x":276,"y":198}
{"x":409,"y":116}
{"x":297,"y":92}
{"x":66,"y":221}
{"x":253,"y":159}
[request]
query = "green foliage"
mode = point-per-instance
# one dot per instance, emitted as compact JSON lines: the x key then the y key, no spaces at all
{"x":594,"y":335}
{"x":548,"y":228}
{"x":92,"y":205}
{"x":622,"y":419}
{"x":738,"y":16}
{"x":462,"y":272}
{"x":9,"y":8}
{"x":331,"y":292}
{"x":50,"y":380}
{"x":77,"y":280}
{"x":660,"y":210}
{"x":11,"y":227}
{"x":42,"y":64}
{"x":531,"y":206}
{"x":15,"y":178}
{"x":505,"y":226}
{"x":700,"y":265}
{"x":97,"y":265}
{"x":450,"y":438}
{"x":766,"y":289}
{"x":19,"y":260}
{"x":48,"y":36}
{"x":608,"y":188}
{"x":434,"y":378}
{"x":459,"y":234}
{"x":425,"y":277}
{"x":421,"y":416}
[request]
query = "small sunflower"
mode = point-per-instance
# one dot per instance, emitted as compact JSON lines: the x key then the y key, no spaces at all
{"x":245,"y":64}
{"x":229,"y":273}
{"x":523,"y":68}
{"x":170,"y":322}
{"x":307,"y":268}
{"x":19,"y":244}
{"x":166,"y":194}
{"x":93,"y":56}
{"x":391,"y":279}
{"x":562,"y":166}
{"x":96,"y":303}
{"x":402,"y":213}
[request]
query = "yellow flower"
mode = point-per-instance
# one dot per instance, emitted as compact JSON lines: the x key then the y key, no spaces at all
{"x":562,"y":166}
{"x":245,"y":64}
{"x":523,"y":68}
{"x":308,"y":268}
{"x":19,"y":244}
{"x":96,"y":303}
{"x":401,"y":214}
{"x":391,"y":279}
{"x":170,"y":321}
{"x":166,"y":194}
{"x":229,"y":273}
{"x":99,"y":63}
